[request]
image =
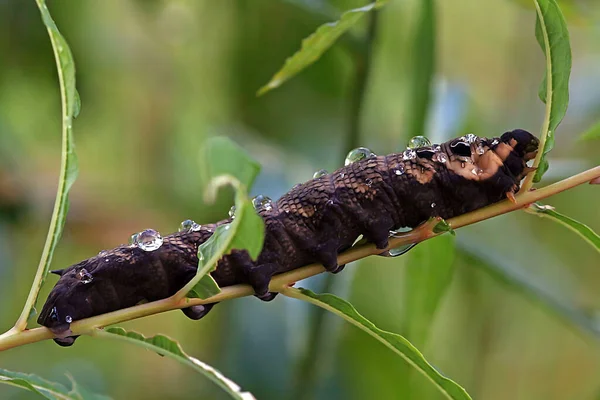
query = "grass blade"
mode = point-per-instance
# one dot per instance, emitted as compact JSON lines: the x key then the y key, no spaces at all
{"x":584,"y":231}
{"x":71,"y":105}
{"x":553,"y":36}
{"x":395,"y":342}
{"x":314,"y":46}
{"x":167,"y":347}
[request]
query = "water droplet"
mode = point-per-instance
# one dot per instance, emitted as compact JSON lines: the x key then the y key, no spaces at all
{"x":84,"y":276}
{"x":418,"y":141}
{"x":441,"y":157}
{"x":360,"y":153}
{"x":232,"y":212}
{"x":262,"y":202}
{"x":329,"y":202}
{"x":398,"y":251}
{"x":68,"y":319}
{"x":148,"y":240}
{"x":436,"y":147}
{"x":369,"y":182}
{"x":399,"y":170}
{"x":480,"y":150}
{"x":189,"y":226}
{"x":476,"y":171}
{"x":409,"y":154}
{"x":462,"y":164}
{"x":433,"y":205}
{"x":54,"y":314}
{"x":342,"y":175}
{"x":495,"y":142}
{"x":133,"y":239}
{"x":470,"y":138}
{"x":320,"y":173}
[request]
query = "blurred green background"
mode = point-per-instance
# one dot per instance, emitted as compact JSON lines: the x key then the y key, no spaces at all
{"x":519,"y":315}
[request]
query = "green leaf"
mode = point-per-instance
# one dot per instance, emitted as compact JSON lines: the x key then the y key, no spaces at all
{"x":503,"y":269}
{"x":592,"y":133}
{"x":314,"y":46}
{"x":224,"y":163}
{"x":46,"y":389}
{"x":205,"y":288}
{"x":395,"y":342}
{"x":428,"y":275}
{"x":443,"y":226}
{"x":423,"y":68}
{"x":553,"y":36}
{"x":582,"y":230}
{"x":221,"y":156}
{"x":247,"y":231}
{"x":68,"y":166}
{"x":167,"y":347}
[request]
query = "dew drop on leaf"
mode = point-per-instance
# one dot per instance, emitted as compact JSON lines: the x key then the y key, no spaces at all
{"x":231,"y":212}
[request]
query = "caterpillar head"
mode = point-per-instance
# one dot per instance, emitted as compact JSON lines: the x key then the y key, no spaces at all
{"x":480,"y":159}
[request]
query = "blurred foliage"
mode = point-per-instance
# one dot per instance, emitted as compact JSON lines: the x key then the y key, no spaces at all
{"x":157,"y":78}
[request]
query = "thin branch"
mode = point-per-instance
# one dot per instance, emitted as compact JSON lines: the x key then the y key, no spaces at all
{"x":85,"y":326}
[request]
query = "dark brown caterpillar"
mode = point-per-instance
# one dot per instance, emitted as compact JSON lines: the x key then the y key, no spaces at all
{"x":313,"y":222}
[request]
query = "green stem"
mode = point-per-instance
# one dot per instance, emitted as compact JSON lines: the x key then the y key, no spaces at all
{"x":546,"y":125}
{"x":15,"y":338}
{"x":60,"y":203}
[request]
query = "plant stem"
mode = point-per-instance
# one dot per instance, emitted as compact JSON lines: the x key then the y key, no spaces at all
{"x":14,"y":338}
{"x":60,"y":206}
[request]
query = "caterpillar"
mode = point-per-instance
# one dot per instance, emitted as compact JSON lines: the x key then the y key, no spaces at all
{"x":313,"y":222}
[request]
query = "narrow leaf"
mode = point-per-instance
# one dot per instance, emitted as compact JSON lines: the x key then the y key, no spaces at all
{"x":47,"y":389}
{"x":582,"y":230}
{"x":553,"y":37}
{"x":423,"y":68}
{"x":167,"y":347}
{"x":68,"y":166}
{"x":592,"y":133}
{"x":395,"y":342}
{"x":502,"y":268}
{"x":314,"y":46}
{"x":428,"y":274}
